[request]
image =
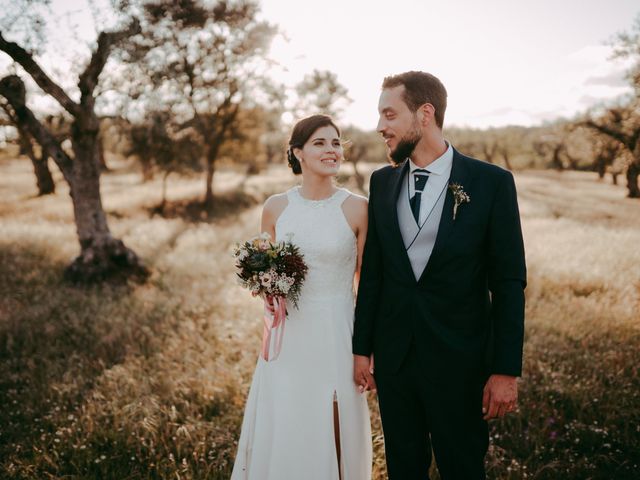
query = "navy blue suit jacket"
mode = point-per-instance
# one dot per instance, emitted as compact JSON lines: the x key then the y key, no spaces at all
{"x":465,"y":313}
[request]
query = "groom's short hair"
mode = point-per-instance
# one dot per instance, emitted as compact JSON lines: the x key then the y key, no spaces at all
{"x":420,"y":88}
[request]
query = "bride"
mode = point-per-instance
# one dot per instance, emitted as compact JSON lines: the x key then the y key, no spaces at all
{"x":305,"y":418}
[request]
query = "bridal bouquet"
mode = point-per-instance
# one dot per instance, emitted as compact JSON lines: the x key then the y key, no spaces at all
{"x":275,"y":270}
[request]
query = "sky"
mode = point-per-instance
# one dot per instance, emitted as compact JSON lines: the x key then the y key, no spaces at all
{"x":502,"y":61}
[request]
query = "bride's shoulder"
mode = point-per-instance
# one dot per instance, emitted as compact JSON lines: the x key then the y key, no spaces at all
{"x":276,"y":198}
{"x":275,"y":204}
{"x":355,"y":209}
{"x":356,"y":204}
{"x":355,"y":200}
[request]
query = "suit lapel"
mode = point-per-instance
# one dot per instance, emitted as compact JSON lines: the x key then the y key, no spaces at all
{"x":396,"y":183}
{"x":460,"y":175}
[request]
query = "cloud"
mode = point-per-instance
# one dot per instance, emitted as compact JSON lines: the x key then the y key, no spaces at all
{"x":590,"y":55}
{"x":615,"y":79}
{"x":497,"y":117}
{"x":500,"y":111}
{"x":589,"y":100}
{"x":549,"y":115}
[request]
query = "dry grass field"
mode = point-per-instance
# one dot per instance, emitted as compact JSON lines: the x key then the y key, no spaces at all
{"x":149,"y":381}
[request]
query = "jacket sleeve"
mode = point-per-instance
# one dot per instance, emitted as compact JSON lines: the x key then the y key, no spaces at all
{"x":507,"y":279}
{"x":370,"y":281}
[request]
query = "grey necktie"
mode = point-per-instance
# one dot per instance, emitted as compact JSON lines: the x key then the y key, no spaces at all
{"x":420,"y":178}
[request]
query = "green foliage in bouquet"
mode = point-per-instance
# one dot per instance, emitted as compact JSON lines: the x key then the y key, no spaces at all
{"x":271,"y":269}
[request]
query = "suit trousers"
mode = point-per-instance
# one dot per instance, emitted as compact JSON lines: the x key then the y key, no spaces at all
{"x":421,"y":415}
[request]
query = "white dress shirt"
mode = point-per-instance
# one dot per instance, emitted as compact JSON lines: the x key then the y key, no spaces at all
{"x":439,"y":173}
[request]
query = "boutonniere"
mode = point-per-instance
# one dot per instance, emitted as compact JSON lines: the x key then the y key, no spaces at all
{"x":459,"y":197}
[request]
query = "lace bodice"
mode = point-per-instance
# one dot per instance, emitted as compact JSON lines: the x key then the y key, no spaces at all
{"x":321,"y":231}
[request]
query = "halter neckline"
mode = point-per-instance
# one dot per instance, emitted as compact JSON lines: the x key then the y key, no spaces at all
{"x":320,"y":201}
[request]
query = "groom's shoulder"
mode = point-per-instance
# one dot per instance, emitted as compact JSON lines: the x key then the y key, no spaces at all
{"x":384,"y":171}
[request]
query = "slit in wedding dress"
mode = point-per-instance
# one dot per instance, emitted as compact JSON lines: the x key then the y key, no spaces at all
{"x":336,"y":432}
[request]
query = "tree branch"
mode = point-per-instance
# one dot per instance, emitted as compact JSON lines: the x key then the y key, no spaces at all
{"x":25,"y":59}
{"x":13,"y":89}
{"x":610,"y":132}
{"x":89,"y":78}
{"x":634,"y":138}
{"x":229,"y":113}
{"x":189,"y":71}
{"x":24,"y":137}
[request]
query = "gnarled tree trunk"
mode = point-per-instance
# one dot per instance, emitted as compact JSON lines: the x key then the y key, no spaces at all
{"x":44,"y":180}
{"x":628,"y":138}
{"x":507,"y":160}
{"x":633,"y":171}
{"x":229,"y":115}
{"x":600,"y":166}
{"x":101,"y":255}
{"x":614,"y":177}
{"x":211,"y":157}
{"x":556,"y":161}
{"x":359,"y":177}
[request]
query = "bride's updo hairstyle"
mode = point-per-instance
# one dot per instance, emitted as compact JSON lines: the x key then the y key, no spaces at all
{"x":302,"y":131}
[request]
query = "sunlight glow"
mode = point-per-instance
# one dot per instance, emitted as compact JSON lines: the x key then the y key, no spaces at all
{"x":502,"y":62}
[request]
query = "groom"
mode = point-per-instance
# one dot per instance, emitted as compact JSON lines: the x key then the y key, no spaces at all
{"x":441,"y":298}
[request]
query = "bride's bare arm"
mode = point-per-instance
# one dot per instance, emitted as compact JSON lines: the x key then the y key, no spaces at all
{"x":273,"y":208}
{"x":355,"y":210}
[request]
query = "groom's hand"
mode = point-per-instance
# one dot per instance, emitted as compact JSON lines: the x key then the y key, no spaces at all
{"x":363,"y":373}
{"x":500,"y":396}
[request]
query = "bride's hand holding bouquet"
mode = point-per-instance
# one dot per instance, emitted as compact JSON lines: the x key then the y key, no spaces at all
{"x":275,"y":271}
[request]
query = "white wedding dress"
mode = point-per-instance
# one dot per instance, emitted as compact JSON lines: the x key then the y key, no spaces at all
{"x":288,"y":426}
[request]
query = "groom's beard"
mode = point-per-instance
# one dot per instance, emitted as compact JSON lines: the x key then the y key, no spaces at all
{"x":405,"y":147}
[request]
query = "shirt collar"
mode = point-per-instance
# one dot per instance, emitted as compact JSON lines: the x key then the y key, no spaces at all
{"x":440,"y":165}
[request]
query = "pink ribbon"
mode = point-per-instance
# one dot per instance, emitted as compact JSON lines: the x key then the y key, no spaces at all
{"x":274,"y":323}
